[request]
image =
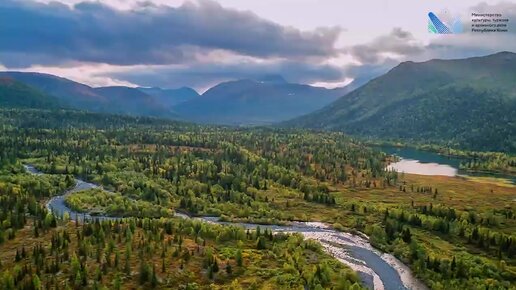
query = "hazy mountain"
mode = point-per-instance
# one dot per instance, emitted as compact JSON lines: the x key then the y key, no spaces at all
{"x":469,"y":101}
{"x":272,"y":78}
{"x":264,"y":101}
{"x":14,"y":94}
{"x":123,"y":100}
{"x":171,"y":97}
{"x":132,"y":101}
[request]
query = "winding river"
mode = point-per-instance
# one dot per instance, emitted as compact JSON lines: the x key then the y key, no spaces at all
{"x":377,"y":270}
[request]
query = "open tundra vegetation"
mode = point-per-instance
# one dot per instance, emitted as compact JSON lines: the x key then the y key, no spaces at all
{"x":453,"y":232}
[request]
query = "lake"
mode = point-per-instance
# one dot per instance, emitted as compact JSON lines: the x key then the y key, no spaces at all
{"x":429,"y":163}
{"x":421,"y":162}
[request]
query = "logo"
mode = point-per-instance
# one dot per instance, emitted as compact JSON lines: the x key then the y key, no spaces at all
{"x":444,"y":23}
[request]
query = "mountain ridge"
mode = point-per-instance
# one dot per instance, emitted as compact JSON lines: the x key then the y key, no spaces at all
{"x":15,"y":94}
{"x":255,"y":102}
{"x":398,"y":104}
{"x":170,"y":97}
{"x":100,"y":99}
{"x":238,"y":102}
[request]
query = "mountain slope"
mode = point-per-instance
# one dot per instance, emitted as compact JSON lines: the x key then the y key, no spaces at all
{"x":123,"y":100}
{"x":171,"y":97}
{"x":14,"y":94}
{"x":72,"y":93}
{"x":255,"y":102}
{"x":469,"y":102}
{"x":132,"y":101}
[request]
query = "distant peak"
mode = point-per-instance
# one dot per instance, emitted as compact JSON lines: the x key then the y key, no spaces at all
{"x":272,"y":78}
{"x":186,"y":89}
{"x":505,"y":53}
{"x":183,"y":88}
{"x":115,"y":87}
{"x":407,"y":63}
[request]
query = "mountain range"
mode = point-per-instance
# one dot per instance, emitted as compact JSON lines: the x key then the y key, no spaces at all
{"x":71,"y":94}
{"x":241,"y":102}
{"x":170,"y":97}
{"x":463,"y":102}
{"x":466,"y":102}
{"x":258,"y":102}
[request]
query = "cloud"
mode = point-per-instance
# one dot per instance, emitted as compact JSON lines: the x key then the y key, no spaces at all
{"x":361,"y":73}
{"x":376,"y":57}
{"x":384,"y":52}
{"x":470,"y":43}
{"x":91,"y":74}
{"x":54,"y":33}
{"x":398,"y":43}
{"x":201,"y":43}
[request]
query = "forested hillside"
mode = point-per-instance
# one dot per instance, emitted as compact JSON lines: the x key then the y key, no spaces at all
{"x":118,"y":99}
{"x":14,"y":94}
{"x":465,"y":103}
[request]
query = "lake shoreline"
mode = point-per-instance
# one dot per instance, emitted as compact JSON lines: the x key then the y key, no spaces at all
{"x":416,"y":161}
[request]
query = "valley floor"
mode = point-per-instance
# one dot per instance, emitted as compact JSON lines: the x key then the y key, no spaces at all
{"x":453,"y":232}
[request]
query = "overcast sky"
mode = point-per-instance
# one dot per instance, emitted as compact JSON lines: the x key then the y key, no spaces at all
{"x":200,"y":43}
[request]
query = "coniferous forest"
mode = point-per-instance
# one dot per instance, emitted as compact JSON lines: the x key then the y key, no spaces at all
{"x":453,"y":233}
{"x":257,"y":145}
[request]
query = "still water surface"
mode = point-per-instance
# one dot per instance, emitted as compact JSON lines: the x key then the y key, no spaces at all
{"x":429,"y":163}
{"x":421,"y":162}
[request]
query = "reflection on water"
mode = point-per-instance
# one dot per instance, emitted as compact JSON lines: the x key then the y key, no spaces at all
{"x":421,"y":162}
{"x":416,"y":167}
{"x":428,"y":163}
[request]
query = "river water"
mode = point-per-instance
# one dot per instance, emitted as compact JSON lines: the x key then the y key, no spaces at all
{"x":378,"y":271}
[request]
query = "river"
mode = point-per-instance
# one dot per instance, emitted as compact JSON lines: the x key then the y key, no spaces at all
{"x":378,"y":271}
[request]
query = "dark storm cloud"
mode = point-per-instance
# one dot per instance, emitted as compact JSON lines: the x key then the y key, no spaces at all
{"x":148,"y":34}
{"x":207,"y":74}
